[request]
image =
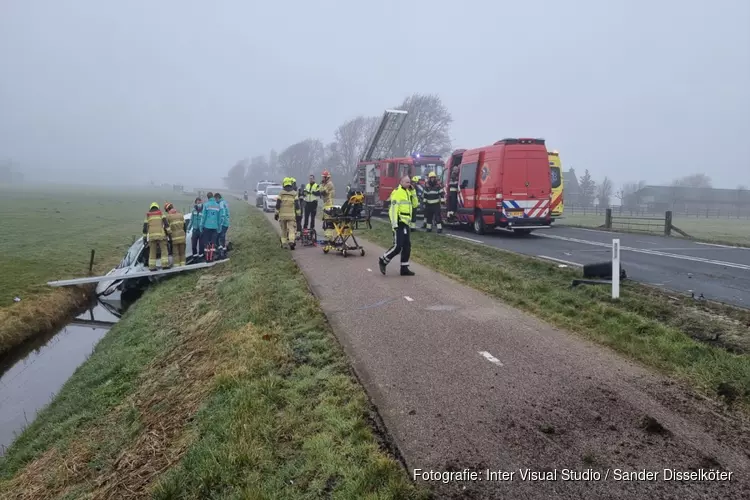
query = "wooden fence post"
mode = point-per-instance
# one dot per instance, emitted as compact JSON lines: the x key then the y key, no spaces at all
{"x":608,"y":219}
{"x":668,"y":223}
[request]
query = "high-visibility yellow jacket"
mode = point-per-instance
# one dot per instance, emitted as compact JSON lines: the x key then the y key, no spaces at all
{"x":176,"y":225}
{"x":311,"y":192}
{"x":287,"y":204}
{"x":401,"y":206}
{"x":156,"y":225}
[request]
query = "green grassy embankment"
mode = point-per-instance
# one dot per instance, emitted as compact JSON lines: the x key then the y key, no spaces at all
{"x":711,"y":230}
{"x":703,"y":343}
{"x":226,"y":383}
{"x":48,"y":234}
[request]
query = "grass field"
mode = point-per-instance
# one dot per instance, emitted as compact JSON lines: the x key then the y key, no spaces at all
{"x":48,"y":234}
{"x":727,"y":231}
{"x":236,"y":390}
{"x":681,"y":337}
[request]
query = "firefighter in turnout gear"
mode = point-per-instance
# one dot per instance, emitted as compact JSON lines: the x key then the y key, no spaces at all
{"x":453,"y":193}
{"x":287,"y":208}
{"x":433,"y":198}
{"x":327,"y":191}
{"x":177,"y":227}
{"x":311,"y":192}
{"x":156,"y":228}
{"x":414,"y":201}
{"x":400,"y":213}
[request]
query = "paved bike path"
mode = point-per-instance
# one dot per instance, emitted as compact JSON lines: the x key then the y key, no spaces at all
{"x":464,"y":381}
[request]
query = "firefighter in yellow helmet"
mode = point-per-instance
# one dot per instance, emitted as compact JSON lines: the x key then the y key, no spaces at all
{"x":327,"y":191}
{"x":433,"y":198}
{"x":287,"y":208}
{"x":177,"y":226}
{"x":156,"y":228}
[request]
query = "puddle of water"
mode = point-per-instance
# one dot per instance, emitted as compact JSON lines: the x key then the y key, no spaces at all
{"x":31,"y":381}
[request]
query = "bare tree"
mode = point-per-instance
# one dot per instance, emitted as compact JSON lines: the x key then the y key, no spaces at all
{"x":258,"y":170}
{"x":426,"y":129}
{"x":628,"y":194}
{"x":693,"y":181}
{"x":301,"y":159}
{"x":352,"y":138}
{"x":604,"y":192}
{"x":588,"y":189}
{"x":235,"y":178}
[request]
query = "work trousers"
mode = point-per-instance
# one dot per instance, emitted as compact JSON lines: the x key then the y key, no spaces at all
{"x":162,"y":246}
{"x":178,"y":254}
{"x":453,"y":201}
{"x":288,"y":230}
{"x":222,"y":237}
{"x":210,"y":236}
{"x":196,"y":243}
{"x":311,"y":208}
{"x":401,"y":244}
{"x":432,"y":213}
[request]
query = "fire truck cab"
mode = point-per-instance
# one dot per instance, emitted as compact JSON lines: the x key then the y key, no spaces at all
{"x":503,"y":186}
{"x":381,"y":177}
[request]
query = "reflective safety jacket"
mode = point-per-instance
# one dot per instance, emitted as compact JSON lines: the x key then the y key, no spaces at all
{"x":453,"y":184}
{"x":155,"y":225}
{"x":311,"y":192}
{"x":401,"y":207}
{"x":195,"y":218}
{"x":327,"y":191}
{"x":287,"y":204}
{"x":177,"y":225}
{"x":433,"y":194}
{"x":211,"y":215}
{"x":223,"y":213}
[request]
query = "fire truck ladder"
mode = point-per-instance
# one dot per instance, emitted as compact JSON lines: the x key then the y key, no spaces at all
{"x":381,"y":143}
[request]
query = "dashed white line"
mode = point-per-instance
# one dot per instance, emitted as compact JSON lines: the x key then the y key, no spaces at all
{"x":408,"y":298}
{"x":489,"y":357}
{"x":568,"y":262}
{"x":369,"y":270}
{"x":466,"y":239}
{"x":721,"y":246}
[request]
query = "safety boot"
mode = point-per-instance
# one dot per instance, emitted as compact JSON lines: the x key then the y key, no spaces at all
{"x":381,"y":264}
{"x":292,"y":245}
{"x":405,"y":271}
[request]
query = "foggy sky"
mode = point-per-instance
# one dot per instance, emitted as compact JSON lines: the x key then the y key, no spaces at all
{"x":167,"y":90}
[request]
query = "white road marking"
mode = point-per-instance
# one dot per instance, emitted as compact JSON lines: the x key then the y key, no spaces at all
{"x":408,"y":298}
{"x":570,"y":263}
{"x":734,"y":265}
{"x":369,"y":270}
{"x":489,"y":357}
{"x":721,"y":246}
{"x":466,"y":239}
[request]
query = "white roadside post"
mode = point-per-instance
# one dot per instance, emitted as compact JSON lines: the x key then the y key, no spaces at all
{"x":616,"y":268}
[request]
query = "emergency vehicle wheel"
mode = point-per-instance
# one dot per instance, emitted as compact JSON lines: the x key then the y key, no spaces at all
{"x":362,"y":252}
{"x":478,"y":223}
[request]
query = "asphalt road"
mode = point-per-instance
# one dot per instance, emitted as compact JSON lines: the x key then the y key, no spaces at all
{"x":462,"y":381}
{"x":719,"y":272}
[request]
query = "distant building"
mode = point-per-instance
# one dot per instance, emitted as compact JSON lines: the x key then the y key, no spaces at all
{"x":691,"y":200}
{"x":571,"y":188}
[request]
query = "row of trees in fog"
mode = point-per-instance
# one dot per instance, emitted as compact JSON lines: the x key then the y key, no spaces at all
{"x":426,"y":130}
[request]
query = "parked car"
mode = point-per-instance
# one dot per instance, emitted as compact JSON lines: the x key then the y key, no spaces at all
{"x":260,"y":190}
{"x":270,"y":196}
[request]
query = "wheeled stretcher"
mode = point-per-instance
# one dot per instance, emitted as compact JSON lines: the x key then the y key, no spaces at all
{"x":343,"y":220}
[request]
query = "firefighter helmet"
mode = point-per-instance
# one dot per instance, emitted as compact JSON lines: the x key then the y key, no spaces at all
{"x":154,"y":206}
{"x":415,"y":179}
{"x":326,"y":173}
{"x":432,"y":174}
{"x":287,"y":181}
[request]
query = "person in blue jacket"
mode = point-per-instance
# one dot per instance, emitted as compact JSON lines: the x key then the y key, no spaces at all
{"x":223,"y":224}
{"x":195,"y":226}
{"x":210,"y":225}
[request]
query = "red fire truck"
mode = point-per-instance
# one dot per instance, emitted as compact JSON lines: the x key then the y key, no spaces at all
{"x":377,"y":178}
{"x":378,"y":174}
{"x":503,"y":186}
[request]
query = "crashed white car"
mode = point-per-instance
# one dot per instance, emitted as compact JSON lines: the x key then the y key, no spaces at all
{"x":136,"y":260}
